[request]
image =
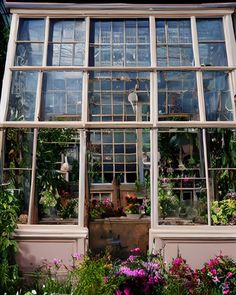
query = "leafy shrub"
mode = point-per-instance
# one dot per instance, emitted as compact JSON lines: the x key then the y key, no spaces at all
{"x":9,"y":210}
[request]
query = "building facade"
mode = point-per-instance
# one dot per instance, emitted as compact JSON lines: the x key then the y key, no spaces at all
{"x":102,"y":101}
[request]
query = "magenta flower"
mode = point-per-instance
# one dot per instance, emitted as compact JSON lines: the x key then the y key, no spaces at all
{"x":56,"y":261}
{"x":77,"y":256}
{"x":215,"y":279}
{"x":118,"y":292}
{"x":226,"y":291}
{"x":229,"y":274}
{"x":135,"y":250}
{"x":127,"y":291}
{"x":214,"y":272}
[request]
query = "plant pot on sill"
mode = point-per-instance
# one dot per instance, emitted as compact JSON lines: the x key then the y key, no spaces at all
{"x":133,"y":215}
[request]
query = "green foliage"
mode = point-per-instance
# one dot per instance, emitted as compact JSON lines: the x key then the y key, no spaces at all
{"x":89,"y":276}
{"x":9,"y":209}
{"x":223,"y":212}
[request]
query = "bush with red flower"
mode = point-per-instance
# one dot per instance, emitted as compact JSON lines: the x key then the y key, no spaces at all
{"x":133,"y":206}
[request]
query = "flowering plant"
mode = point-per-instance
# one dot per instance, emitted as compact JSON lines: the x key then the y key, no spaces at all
{"x":49,"y":197}
{"x":101,"y":209}
{"x":133,"y":205}
{"x":138,"y":274}
{"x":220,"y":273}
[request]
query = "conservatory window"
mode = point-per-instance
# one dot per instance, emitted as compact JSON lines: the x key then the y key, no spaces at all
{"x":61,"y":96}
{"x":120,"y":42}
{"x":119,"y":96}
{"x":177,"y":95}
{"x":57,"y":174}
{"x":182,"y":194}
{"x":22,"y":98}
{"x":17,"y":164}
{"x":66,"y":43}
{"x":222,"y":165}
{"x":218,"y":103}
{"x":30,"y":38}
{"x":211,"y":42}
{"x":174,"y":43}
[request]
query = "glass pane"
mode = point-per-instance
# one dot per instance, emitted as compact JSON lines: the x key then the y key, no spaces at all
{"x":62,"y":96}
{"x":210,"y":29}
{"x":174,"y":43}
{"x":182,"y":194}
{"x":177,"y":96}
{"x":29,"y":54}
{"x":17,"y":167}
{"x":218,"y":104}
{"x":57,"y":186}
{"x":31,"y":29}
{"x":124,"y":95}
{"x":130,"y":38}
{"x":22,"y":96}
{"x":70,"y":34}
{"x":119,"y":156}
{"x":212,"y":54}
{"x":211,"y":42}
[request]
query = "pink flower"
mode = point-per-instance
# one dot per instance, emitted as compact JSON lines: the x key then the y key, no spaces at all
{"x":105,"y":280}
{"x":118,"y":292}
{"x":215,"y":279}
{"x":229,"y":274}
{"x":226,"y":291}
{"x":214,"y":271}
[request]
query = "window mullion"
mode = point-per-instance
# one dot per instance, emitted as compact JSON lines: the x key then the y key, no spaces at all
{"x":6,"y":84}
{"x":82,"y":160}
{"x":45,"y":51}
{"x":154,"y":177}
{"x":33,"y":177}
{"x":195,"y":41}
{"x":153,"y":78}
{"x":207,"y":176}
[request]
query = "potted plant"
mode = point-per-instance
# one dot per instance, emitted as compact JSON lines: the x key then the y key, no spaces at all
{"x":133,"y":207}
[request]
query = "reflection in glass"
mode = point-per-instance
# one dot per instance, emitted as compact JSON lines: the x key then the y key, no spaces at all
{"x":66,"y":42}
{"x":62,"y":96}
{"x":218,"y":104}
{"x":110,"y":96}
{"x":29,"y":54}
{"x":122,"y":154}
{"x":211,"y":42}
{"x":177,"y":96}
{"x":58,"y":175}
{"x":22,"y":96}
{"x":31,"y":30}
{"x":120,"y":43}
{"x":182,"y":194}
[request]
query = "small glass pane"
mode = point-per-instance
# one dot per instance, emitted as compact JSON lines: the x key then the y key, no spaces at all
{"x":22,"y":96}
{"x":31,"y":29}
{"x":218,"y":104}
{"x":212,"y":49}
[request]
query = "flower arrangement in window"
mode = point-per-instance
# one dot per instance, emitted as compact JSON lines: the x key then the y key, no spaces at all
{"x":133,"y":206}
{"x":102,"y":208}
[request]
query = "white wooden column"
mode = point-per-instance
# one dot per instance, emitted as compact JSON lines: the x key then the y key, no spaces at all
{"x":82,"y":176}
